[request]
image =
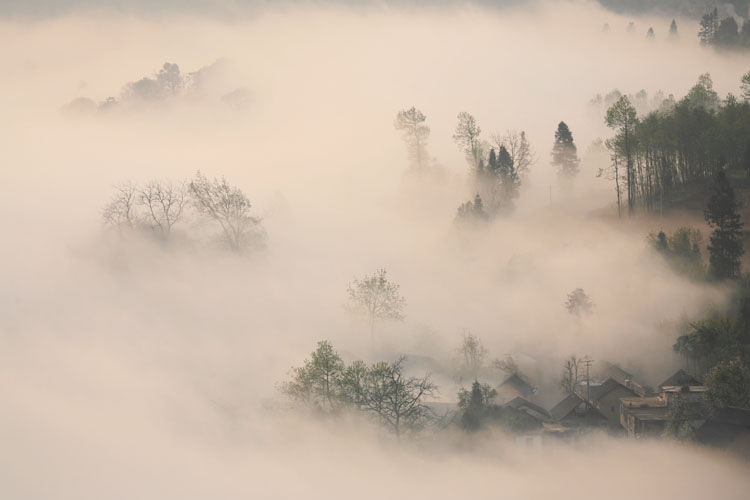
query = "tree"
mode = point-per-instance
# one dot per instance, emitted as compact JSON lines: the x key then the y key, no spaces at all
{"x":745,"y":86}
{"x":170,"y":79}
{"x":728,"y":384}
{"x":163,"y":202}
{"x":473,"y":354}
{"x":471,"y":213}
{"x":376,"y":298}
{"x":121,"y":211}
{"x":518,"y":148}
{"x":564,"y":154}
{"x":572,"y":374}
{"x":622,"y":117}
{"x":650,"y":33}
{"x":352,"y":384}
{"x":708,"y":26}
{"x":507,"y":365}
{"x":727,"y":33}
{"x":578,"y":302}
{"x":467,"y":138}
{"x":725,"y":247}
{"x":673,"y":34}
{"x":475,"y":404}
{"x":416,"y":133}
{"x":397,"y":400}
{"x":317,"y":381}
{"x":228,"y":207}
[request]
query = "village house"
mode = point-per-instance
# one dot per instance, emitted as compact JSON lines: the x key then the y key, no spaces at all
{"x":605,"y":397}
{"x":573,"y":412}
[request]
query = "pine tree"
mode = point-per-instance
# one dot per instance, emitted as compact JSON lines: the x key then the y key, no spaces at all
{"x":708,"y":24}
{"x":727,"y":33}
{"x":650,"y":33}
{"x":564,"y":153}
{"x":725,"y":247}
{"x":673,"y":30}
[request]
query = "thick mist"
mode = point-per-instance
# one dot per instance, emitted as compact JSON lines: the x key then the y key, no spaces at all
{"x":131,"y":370}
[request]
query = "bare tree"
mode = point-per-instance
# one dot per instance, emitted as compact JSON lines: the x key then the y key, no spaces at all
{"x":228,"y":207}
{"x":467,"y":137}
{"x":473,"y":354}
{"x":377,"y":298}
{"x":521,"y":153}
{"x":163,"y":204}
{"x":416,"y":133}
{"x":507,"y":365}
{"x":397,"y":400}
{"x":121,"y":212}
{"x":572,"y":374}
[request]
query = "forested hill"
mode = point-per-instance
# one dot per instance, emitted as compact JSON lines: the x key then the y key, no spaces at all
{"x":690,"y":8}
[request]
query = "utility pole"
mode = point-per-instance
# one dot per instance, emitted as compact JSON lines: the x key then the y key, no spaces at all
{"x":588,"y":362}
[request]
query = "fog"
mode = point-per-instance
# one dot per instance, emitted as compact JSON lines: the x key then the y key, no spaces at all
{"x":131,"y":370}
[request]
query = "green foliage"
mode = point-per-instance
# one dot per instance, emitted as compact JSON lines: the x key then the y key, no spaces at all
{"x":382,"y":390}
{"x":476,"y":405}
{"x":317,"y":382}
{"x":728,"y":384}
{"x":725,"y":247}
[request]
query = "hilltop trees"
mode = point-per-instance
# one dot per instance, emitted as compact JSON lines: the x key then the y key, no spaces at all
{"x":157,"y":207}
{"x":471,"y":213}
{"x":683,"y":143}
{"x":564,"y":154}
{"x":377,"y":298}
{"x":725,"y":247}
{"x":415,"y":135}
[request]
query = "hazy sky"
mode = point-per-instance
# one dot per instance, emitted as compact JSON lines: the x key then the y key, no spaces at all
{"x":133,"y":371}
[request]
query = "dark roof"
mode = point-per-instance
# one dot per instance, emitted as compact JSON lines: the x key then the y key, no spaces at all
{"x":519,"y":385}
{"x":601,"y":390}
{"x":521,"y":403}
{"x":610,"y":370}
{"x":564,"y":407}
{"x":681,"y":378}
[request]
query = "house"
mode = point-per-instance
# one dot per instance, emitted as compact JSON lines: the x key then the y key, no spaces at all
{"x":605,"y":397}
{"x":573,"y":412}
{"x":644,"y":417}
{"x":535,"y":411}
{"x":728,"y":428}
{"x":648,"y":416}
{"x":514,"y":387}
{"x":613,"y":371}
{"x":679,"y":378}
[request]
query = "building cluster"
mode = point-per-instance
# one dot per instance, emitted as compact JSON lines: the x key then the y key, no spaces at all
{"x":614,"y":402}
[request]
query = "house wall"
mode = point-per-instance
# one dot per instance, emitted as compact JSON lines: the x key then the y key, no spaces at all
{"x":609,"y":404}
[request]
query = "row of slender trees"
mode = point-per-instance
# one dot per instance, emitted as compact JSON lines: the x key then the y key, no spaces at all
{"x":684,"y":142}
